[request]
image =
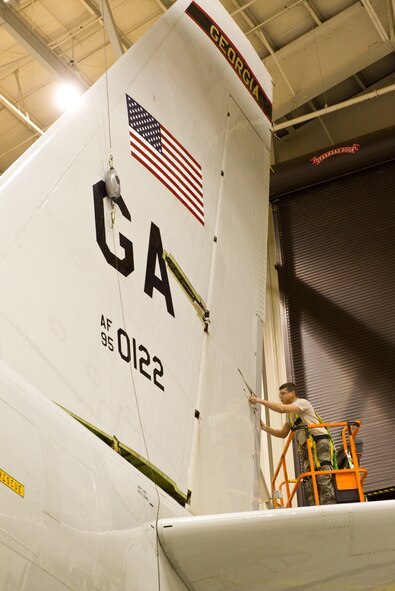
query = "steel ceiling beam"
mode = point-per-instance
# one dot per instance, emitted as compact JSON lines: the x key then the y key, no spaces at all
{"x":242,"y":8}
{"x":21,"y":116}
{"x":391,"y":18}
{"x":353,"y":101}
{"x":91,"y":7}
{"x":37,"y":48}
{"x":102,"y":10}
{"x":324,"y":57}
{"x":262,"y":37}
{"x":312,"y":12}
{"x":162,"y":6}
{"x":270,"y":18}
{"x":111,"y":29}
{"x":375,"y":20}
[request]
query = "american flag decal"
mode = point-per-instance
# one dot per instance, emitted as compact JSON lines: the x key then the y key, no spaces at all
{"x":159,"y":151}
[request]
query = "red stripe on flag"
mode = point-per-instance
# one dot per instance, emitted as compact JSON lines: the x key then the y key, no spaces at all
{"x":157,"y":159}
{"x":168,"y":187}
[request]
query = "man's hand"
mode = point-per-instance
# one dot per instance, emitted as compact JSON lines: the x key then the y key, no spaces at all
{"x":253,"y":399}
{"x":263,"y":426}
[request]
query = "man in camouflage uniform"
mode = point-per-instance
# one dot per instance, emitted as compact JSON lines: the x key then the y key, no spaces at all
{"x":300,"y":412}
{"x":325,"y":483}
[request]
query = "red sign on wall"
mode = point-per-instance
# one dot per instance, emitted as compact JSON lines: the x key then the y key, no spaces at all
{"x":342,"y":150}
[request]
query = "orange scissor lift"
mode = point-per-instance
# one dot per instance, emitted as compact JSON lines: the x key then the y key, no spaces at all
{"x":348,"y":480}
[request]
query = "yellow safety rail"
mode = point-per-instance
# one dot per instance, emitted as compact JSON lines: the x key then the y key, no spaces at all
{"x":346,"y":478}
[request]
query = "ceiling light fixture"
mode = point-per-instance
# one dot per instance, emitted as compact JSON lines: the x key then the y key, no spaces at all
{"x":67,"y":96}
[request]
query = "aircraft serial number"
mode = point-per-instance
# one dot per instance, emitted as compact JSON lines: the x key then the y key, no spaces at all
{"x":151,"y":367}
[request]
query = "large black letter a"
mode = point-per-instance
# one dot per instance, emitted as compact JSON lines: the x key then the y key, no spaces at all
{"x":155,"y":252}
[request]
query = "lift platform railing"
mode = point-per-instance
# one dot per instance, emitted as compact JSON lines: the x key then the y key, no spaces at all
{"x":345,"y":479}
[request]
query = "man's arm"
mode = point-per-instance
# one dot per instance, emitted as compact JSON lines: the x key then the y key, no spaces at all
{"x":283,"y":432}
{"x":276,"y":406}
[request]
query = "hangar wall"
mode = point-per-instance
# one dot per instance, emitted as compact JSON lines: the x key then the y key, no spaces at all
{"x":336,"y":235}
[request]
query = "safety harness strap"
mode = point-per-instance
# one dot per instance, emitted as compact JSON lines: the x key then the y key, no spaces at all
{"x":296,"y":423}
{"x":318,"y":437}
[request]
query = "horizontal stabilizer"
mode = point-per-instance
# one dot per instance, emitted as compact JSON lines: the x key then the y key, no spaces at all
{"x":329,"y":547}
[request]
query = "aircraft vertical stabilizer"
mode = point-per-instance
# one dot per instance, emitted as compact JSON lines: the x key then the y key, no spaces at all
{"x":134,"y":311}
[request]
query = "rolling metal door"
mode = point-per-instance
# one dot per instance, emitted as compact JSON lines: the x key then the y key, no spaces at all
{"x":337,"y":277}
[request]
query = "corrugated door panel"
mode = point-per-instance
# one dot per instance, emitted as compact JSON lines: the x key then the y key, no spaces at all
{"x":338,"y":280}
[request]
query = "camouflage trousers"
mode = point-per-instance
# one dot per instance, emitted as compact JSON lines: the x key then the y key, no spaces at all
{"x":326,"y":490}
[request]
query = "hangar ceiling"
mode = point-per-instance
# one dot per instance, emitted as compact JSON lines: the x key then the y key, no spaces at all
{"x":332,"y":63}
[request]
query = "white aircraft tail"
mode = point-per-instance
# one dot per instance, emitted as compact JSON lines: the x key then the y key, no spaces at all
{"x":133,"y":307}
{"x":132,"y":269}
